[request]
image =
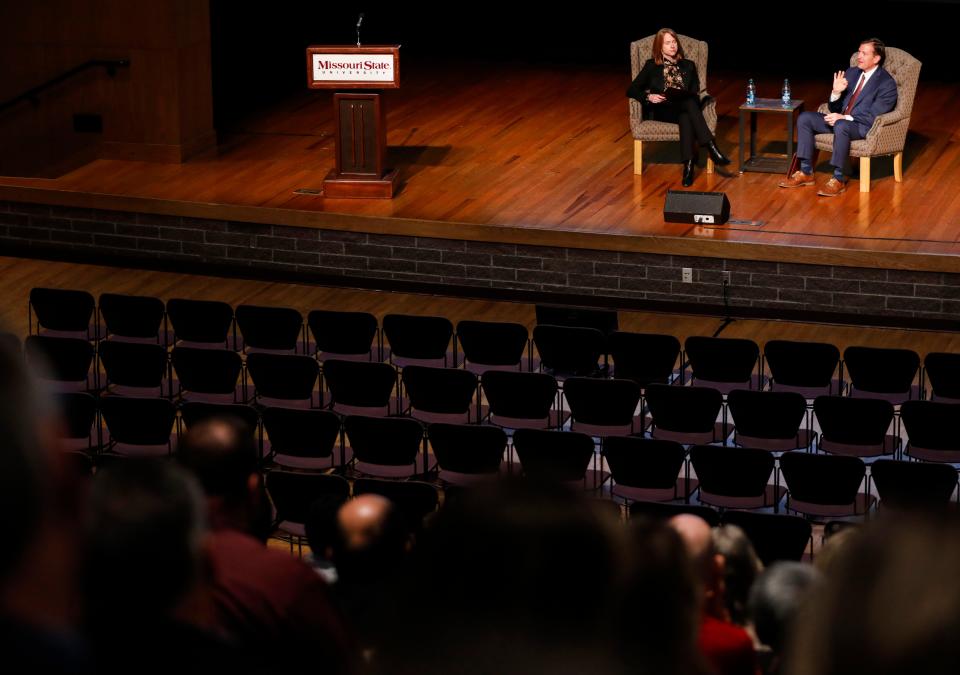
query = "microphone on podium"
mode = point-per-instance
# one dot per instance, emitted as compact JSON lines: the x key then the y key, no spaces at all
{"x":359,"y":21}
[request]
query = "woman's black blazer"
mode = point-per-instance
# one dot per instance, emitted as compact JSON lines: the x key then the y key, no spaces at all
{"x":650,"y":80}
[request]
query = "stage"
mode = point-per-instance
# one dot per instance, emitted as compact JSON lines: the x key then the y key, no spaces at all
{"x":520,"y":179}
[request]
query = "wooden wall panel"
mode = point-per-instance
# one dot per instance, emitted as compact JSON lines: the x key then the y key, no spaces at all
{"x":159,"y":109}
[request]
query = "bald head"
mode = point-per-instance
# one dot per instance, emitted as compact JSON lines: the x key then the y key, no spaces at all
{"x":362,"y":520}
{"x":221,"y":453}
{"x":696,"y":535}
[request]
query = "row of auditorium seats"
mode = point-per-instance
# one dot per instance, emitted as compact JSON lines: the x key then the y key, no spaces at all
{"x":772,"y":420}
{"x":646,"y":469}
{"x":775,"y":537}
{"x":809,"y":368}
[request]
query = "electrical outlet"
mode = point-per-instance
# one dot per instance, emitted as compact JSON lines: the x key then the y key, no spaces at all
{"x":726,"y":277}
{"x":687,"y":273}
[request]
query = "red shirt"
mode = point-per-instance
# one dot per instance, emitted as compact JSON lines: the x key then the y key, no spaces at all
{"x":727,"y":648}
{"x":271,"y":603}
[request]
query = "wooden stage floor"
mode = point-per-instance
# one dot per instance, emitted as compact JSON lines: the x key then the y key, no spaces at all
{"x":543,"y":155}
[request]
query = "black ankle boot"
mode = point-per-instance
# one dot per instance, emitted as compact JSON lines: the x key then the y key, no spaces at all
{"x":717,"y":156}
{"x":688,"y":173}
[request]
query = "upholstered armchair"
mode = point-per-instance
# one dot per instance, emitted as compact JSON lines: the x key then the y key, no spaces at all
{"x":651,"y":130}
{"x":889,"y":132}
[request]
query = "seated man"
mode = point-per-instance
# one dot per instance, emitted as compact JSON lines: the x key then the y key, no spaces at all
{"x":852,"y":112}
{"x":270,"y":603}
{"x":727,"y":648}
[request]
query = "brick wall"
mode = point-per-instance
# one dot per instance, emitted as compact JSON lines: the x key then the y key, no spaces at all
{"x":513,"y":270}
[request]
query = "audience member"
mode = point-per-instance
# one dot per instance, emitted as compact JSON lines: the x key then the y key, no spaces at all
{"x":369,"y":551}
{"x":889,"y":606}
{"x":741,"y":567}
{"x":527,"y":578}
{"x":775,"y":600}
{"x":660,"y":610}
{"x":274,"y":605}
{"x":834,"y":545}
{"x":727,"y":648}
{"x":40,"y":511}
{"x":145,"y":573}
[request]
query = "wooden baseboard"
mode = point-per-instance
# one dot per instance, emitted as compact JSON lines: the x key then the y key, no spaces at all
{"x":338,"y":186}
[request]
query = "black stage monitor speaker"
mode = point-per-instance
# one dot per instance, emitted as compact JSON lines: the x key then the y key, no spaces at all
{"x":701,"y":208}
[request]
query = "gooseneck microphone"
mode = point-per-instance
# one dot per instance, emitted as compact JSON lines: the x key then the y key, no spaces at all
{"x":359,"y":21}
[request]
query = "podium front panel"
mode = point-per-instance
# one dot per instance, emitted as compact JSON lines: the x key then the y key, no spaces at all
{"x":359,"y":124}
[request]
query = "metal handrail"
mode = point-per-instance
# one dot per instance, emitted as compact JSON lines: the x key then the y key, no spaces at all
{"x":31,"y":95}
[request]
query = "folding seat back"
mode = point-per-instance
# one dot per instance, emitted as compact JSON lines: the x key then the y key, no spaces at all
{"x":943,"y":372}
{"x":134,"y":368}
{"x":855,"y":426}
{"x":467,"y":452}
{"x":294,"y":494}
{"x":933,"y":428}
{"x":64,"y":361}
{"x":202,"y":323}
{"x":567,"y":351}
{"x":137,"y":318}
{"x":415,"y":500}
{"x":644,"y":358}
{"x":441,"y":394}
{"x":360,"y":387}
{"x":284,"y":379}
{"x":421,"y":340}
{"x":882,"y":373}
{"x":78,"y":414}
{"x":489,"y":345}
{"x":770,"y":420}
{"x":302,"y":439}
{"x":270,"y":329}
{"x":647,"y":469}
{"x":521,"y":399}
{"x":555,"y":456}
{"x":347,"y":336}
{"x":686,"y":414}
{"x":723,"y":363}
{"x":602,"y":407}
{"x":62,"y":312}
{"x":138,"y":426}
{"x":208,"y":374}
{"x":824,"y":485}
{"x":913,"y":485}
{"x":807,"y":368}
{"x":386,"y":447}
{"x":774,"y":537}
{"x":732,"y":477}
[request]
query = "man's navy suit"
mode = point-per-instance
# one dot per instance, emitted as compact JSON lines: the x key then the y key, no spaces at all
{"x":878,"y":96}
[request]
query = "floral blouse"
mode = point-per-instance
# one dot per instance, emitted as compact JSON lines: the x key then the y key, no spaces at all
{"x":672,"y":77}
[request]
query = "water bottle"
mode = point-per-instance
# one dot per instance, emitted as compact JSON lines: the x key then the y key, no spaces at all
{"x":785,"y":94}
{"x":751,"y":92}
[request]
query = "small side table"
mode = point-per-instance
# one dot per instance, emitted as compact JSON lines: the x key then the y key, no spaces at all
{"x":767,"y":105}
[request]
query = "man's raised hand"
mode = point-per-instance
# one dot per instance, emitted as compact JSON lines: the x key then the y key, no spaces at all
{"x":839,"y":82}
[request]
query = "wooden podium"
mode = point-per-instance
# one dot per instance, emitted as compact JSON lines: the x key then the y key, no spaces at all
{"x":359,"y":114}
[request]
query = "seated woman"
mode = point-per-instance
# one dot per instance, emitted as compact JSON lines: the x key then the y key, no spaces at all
{"x":668,"y":88}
